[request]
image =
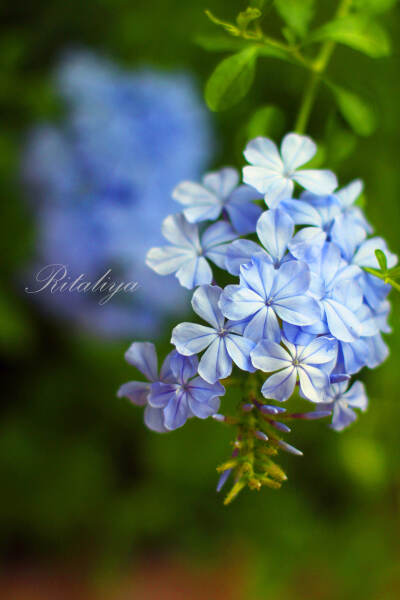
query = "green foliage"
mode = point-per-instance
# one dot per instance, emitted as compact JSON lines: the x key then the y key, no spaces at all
{"x":297,"y":14}
{"x":359,"y":32}
{"x":387,"y":275}
{"x":374,"y":6}
{"x":355,"y":110}
{"x":245,"y":17}
{"x":231,"y":79}
{"x":267,"y":121}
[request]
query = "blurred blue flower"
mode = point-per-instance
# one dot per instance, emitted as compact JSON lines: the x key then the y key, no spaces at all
{"x":100,"y":182}
{"x":342,"y":403}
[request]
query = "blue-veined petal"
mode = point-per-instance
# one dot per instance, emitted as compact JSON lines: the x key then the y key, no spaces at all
{"x":313,"y":382}
{"x":199,"y":203}
{"x":264,"y":153}
{"x":270,"y":356}
{"x":191,"y":338}
{"x":169,"y":259}
{"x":298,"y":310}
{"x":264,"y":325}
{"x":194,"y":272}
{"x":317,"y":181}
{"x":154,"y":419}
{"x":280,"y":386}
{"x":205,"y":303}
{"x":241,"y":252}
{"x":136,"y":391}
{"x":142,"y":355}
{"x":296,"y":150}
{"x":239,"y":349}
{"x":342,"y":322}
{"x":275,"y":230}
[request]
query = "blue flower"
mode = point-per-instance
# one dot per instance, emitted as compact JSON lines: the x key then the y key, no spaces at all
{"x":187,"y":396}
{"x":266,"y":293}
{"x":100,"y":181}
{"x":187,"y":255}
{"x":342,"y":401}
{"x":142,"y":355}
{"x":334,"y":285}
{"x":219,"y":192}
{"x":222,"y":343}
{"x":275,"y":229}
{"x":273,"y":173}
{"x":306,"y":363}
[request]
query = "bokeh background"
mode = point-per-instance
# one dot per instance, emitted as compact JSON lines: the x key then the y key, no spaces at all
{"x":93,"y":505}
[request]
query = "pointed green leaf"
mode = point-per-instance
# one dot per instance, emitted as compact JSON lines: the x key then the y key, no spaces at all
{"x":360,"y":32}
{"x":355,"y":110}
{"x":395,"y":272}
{"x":231,"y":79}
{"x":297,"y":14}
{"x":382,"y":261}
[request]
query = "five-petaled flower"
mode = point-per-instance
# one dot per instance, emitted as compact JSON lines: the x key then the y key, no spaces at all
{"x":273,"y":173}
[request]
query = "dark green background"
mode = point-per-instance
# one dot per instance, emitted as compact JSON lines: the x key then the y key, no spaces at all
{"x":81,"y":478}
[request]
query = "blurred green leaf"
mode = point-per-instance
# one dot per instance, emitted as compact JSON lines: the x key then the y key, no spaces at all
{"x":374,"y":6}
{"x":297,"y":14}
{"x":267,"y":121}
{"x":381,"y":258}
{"x":355,"y":110}
{"x":231,"y":79}
{"x":360,"y":32}
{"x":341,"y":143}
{"x":229,"y":27}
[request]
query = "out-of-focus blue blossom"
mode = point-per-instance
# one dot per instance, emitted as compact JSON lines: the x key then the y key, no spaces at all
{"x":223,"y":344}
{"x":305,"y":363}
{"x":101,"y":182}
{"x":266,"y":293}
{"x":219,"y":193}
{"x":273,"y":173}
{"x":342,"y":402}
{"x":188,"y":253}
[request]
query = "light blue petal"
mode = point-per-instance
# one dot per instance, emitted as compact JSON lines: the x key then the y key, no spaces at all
{"x":204,"y":397}
{"x":317,"y":181}
{"x":241,"y":252}
{"x":301,"y":212}
{"x":298,"y":310}
{"x":238,"y":302}
{"x":194,"y":272}
{"x":205,"y":303}
{"x":161,"y":394}
{"x":347,"y":234}
{"x":275,"y":230}
{"x":269,"y":356}
{"x":136,"y":391}
{"x":263,"y":152}
{"x":183,"y":367}
{"x":191,"y":338}
{"x":264,"y":325}
{"x":342,"y":322}
{"x":319,"y":351}
{"x":280,"y":386}
{"x":307,"y":243}
{"x":313,"y":382}
{"x":277,"y":190}
{"x":222,"y":183}
{"x":327,"y":206}
{"x":291,"y":279}
{"x":179,"y":232}
{"x":349,"y":194}
{"x":177,"y":411}
{"x":218,"y":233}
{"x":200,"y":204}
{"x":154,"y":419}
{"x":239,"y":349}
{"x":259,"y":276}
{"x":377,"y":351}
{"x":241,"y":209}
{"x":365,"y":255}
{"x":168,"y":259}
{"x":142,"y":355}
{"x":296,"y":335}
{"x":215,"y":363}
{"x":296,"y":150}
{"x":343,"y":416}
{"x":356,"y":396}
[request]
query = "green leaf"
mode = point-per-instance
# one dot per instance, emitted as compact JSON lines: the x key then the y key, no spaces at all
{"x":360,"y":32}
{"x":374,"y":6}
{"x":393,"y":284}
{"x":268,"y":121}
{"x":246,"y":17}
{"x":297,"y":14}
{"x":382,"y":261}
{"x":395,"y":272}
{"x":355,"y":110}
{"x":231,"y":79}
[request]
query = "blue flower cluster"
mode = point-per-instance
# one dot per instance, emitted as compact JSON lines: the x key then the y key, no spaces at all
{"x":100,"y":183}
{"x":300,"y":308}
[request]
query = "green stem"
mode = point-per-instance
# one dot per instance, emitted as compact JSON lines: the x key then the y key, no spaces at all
{"x":318,"y":67}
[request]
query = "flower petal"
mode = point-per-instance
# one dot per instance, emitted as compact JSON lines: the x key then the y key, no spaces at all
{"x":191,"y":338}
{"x":269,"y":356}
{"x":298,"y":310}
{"x":264,"y":324}
{"x":280,"y":386}
{"x":342,"y":322}
{"x":239,"y":302}
{"x":319,"y":351}
{"x":161,"y":394}
{"x":313,"y":382}
{"x":296,"y":150}
{"x":215,"y":363}
{"x":241,"y":252}
{"x":154,"y":419}
{"x":222,"y":183}
{"x":291,"y":279}
{"x":242,"y":210}
{"x":275,"y":230}
{"x":136,"y":391}
{"x":317,"y":181}
{"x":349,"y":194}
{"x":200,"y":204}
{"x":239,"y":349}
{"x":179,"y":232}
{"x":142,"y":355}
{"x":176,"y":412}
{"x":168,"y":259}
{"x":301,"y":212}
{"x":194,"y":272}
{"x":183,"y":367}
{"x":264,"y":153}
{"x":205,"y":303}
